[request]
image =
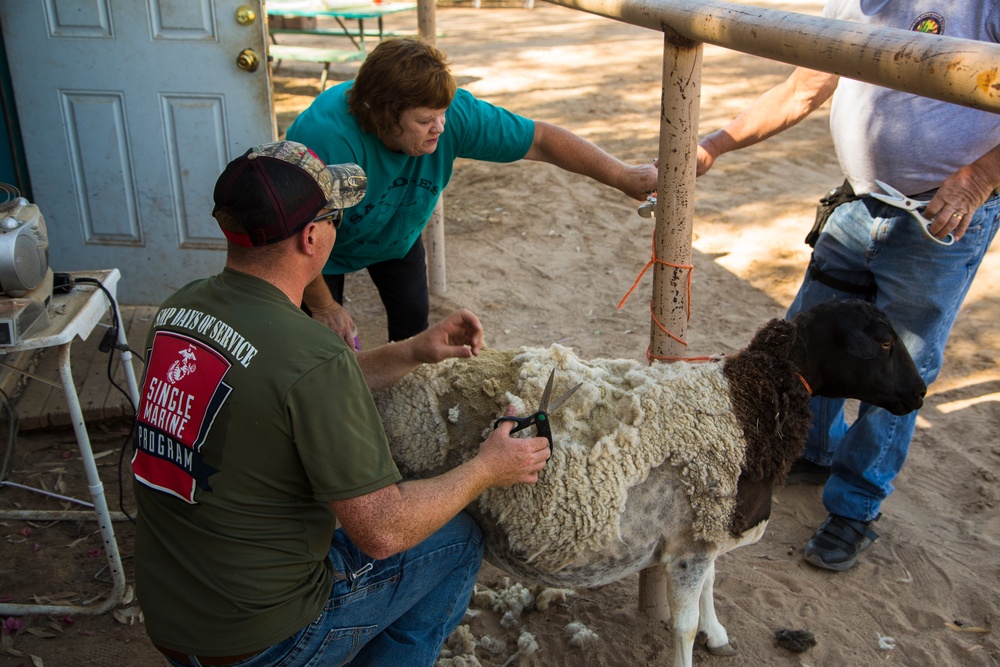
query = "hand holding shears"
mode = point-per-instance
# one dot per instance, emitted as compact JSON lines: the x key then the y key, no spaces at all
{"x":915,"y":208}
{"x":540,"y":419}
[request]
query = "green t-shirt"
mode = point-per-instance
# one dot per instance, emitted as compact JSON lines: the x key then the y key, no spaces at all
{"x":252,"y":417}
{"x":402,"y":190}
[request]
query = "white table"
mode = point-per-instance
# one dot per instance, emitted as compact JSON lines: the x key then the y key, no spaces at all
{"x":72,"y":315}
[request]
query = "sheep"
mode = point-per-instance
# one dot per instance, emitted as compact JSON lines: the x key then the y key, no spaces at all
{"x":670,"y":464}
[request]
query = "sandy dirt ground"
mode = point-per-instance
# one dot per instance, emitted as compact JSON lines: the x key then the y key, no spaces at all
{"x":544,"y":256}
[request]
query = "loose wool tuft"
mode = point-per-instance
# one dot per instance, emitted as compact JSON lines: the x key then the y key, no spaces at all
{"x":626,"y":419}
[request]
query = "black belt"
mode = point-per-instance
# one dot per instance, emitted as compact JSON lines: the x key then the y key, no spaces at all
{"x":208,"y":660}
{"x":926,"y":195}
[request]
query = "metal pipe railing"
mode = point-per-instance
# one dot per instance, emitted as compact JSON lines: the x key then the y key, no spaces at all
{"x":961,"y":71}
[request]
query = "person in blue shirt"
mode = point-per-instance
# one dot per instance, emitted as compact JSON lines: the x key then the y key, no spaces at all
{"x":405,"y":121}
{"x":935,"y":151}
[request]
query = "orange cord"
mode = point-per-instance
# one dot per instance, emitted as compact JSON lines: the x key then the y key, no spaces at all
{"x":690,"y":269}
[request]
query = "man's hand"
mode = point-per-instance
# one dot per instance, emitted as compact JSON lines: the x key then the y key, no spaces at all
{"x":706,"y":156}
{"x":458,"y":335}
{"x":775,"y":111}
{"x":396,"y":517}
{"x":961,"y":195}
{"x":513,"y":460}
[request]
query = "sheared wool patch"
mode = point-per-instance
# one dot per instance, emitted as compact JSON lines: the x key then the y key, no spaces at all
{"x":625,"y":419}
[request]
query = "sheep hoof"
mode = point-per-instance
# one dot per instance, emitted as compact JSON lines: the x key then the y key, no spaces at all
{"x":725,"y":650}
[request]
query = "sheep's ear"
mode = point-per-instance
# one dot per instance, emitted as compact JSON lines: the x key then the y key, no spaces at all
{"x":775,"y":338}
{"x":861,"y":345}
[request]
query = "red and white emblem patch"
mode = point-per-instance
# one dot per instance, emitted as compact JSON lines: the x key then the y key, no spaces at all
{"x":181,"y":396}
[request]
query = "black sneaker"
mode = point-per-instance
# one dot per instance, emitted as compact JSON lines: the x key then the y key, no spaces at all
{"x":837,"y":543}
{"x":804,"y":471}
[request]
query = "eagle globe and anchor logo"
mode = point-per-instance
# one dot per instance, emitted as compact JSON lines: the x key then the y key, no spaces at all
{"x":181,"y":368}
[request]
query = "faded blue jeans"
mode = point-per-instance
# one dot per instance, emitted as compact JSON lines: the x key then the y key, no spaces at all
{"x":396,"y":611}
{"x":920,"y":286}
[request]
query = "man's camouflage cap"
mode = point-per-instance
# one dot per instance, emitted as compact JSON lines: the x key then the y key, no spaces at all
{"x":272,"y":191}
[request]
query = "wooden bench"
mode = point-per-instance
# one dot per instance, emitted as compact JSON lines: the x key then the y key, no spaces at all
{"x":313,"y":54}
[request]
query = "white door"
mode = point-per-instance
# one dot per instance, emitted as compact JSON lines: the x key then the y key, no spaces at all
{"x":129,"y":111}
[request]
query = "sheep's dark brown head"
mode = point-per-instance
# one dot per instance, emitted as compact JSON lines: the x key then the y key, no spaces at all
{"x":775,"y":338}
{"x":847,"y":348}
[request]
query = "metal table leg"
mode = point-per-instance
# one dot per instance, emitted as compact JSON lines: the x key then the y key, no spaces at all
{"x":96,"y":487}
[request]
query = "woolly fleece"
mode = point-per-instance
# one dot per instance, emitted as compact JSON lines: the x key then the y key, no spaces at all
{"x":626,"y":419}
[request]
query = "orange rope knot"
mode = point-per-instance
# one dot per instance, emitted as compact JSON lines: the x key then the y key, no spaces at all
{"x":656,"y":260}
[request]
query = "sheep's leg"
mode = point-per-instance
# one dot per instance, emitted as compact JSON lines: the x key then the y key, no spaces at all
{"x":708,"y":623}
{"x":684,"y":585}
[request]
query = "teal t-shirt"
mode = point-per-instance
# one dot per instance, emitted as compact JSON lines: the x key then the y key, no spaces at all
{"x":402,"y":190}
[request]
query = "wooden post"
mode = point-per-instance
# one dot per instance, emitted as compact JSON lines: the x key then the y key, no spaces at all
{"x":434,"y":232}
{"x":682,"y":61}
{"x":434,"y":246}
{"x":426,"y":21}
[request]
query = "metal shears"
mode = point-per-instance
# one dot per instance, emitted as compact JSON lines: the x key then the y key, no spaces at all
{"x":540,"y":419}
{"x":648,"y":209}
{"x":915,"y":208}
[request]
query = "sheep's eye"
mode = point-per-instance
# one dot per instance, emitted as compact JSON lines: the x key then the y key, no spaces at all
{"x":886,"y":345}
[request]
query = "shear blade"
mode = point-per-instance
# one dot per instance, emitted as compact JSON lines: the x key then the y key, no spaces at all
{"x":543,"y":405}
{"x":891,"y":190}
{"x":562,"y":399}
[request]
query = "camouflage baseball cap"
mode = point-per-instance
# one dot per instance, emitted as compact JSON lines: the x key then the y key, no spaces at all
{"x":274,"y":190}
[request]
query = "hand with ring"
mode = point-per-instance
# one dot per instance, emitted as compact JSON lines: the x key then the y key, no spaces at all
{"x":954,"y":205}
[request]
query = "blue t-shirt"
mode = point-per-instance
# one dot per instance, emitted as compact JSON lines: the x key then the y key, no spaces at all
{"x":402,"y":190}
{"x":910,"y":142}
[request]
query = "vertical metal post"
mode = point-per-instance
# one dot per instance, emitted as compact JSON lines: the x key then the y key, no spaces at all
{"x":434,"y":246}
{"x":682,"y":60}
{"x":434,"y":232}
{"x":426,"y":21}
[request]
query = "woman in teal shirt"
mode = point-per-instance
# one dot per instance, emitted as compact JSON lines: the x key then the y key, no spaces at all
{"x":404,"y":120}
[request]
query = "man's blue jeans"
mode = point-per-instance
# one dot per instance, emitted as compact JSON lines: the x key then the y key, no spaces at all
{"x":396,"y":611}
{"x":920,"y":286}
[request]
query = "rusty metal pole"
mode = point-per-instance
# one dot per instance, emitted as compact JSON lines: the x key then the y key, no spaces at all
{"x":961,"y":71}
{"x":434,"y":232}
{"x":434,"y":246}
{"x":427,"y":21}
{"x":682,"y":59}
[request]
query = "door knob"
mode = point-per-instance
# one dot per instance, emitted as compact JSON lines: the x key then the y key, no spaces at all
{"x":248,"y":60}
{"x":245,"y":15}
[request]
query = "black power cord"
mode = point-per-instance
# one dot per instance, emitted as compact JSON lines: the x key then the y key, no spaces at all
{"x":64,"y":282}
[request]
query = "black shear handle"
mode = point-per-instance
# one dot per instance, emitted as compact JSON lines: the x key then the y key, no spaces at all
{"x":539,"y":420}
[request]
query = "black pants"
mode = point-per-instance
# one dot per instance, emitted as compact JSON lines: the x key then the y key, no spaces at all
{"x":402,"y":286}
